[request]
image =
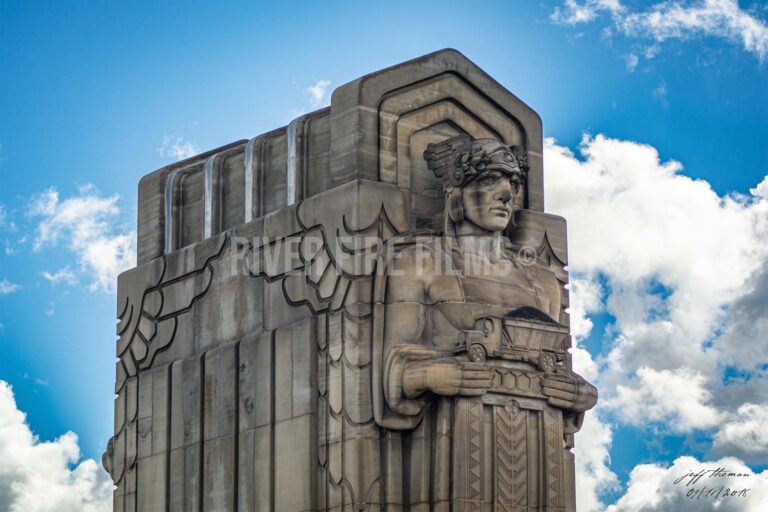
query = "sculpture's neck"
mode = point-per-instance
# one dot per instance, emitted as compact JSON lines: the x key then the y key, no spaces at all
{"x":486,"y":246}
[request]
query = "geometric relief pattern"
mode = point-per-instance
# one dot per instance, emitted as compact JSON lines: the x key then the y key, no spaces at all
{"x":152,"y":298}
{"x":332,"y":264}
{"x":553,"y":451}
{"x":475,"y":452}
{"x":315,"y":267}
{"x":468,"y":477}
{"x":520,"y":457}
{"x":513,"y":434}
{"x":511,"y":451}
{"x":505,"y":461}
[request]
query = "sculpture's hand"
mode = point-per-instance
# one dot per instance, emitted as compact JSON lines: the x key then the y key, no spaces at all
{"x":446,"y":377}
{"x":569,"y":391}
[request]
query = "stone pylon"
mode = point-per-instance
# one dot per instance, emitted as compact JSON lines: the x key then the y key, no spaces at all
{"x":279,"y":349}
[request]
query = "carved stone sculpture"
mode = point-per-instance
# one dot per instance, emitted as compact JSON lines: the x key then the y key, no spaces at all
{"x":471,"y":349}
{"x":362,"y":311}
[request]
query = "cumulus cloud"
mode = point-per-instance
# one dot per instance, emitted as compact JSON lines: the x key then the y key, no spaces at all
{"x":174,"y":146}
{"x":87,"y":224}
{"x":593,"y":460}
{"x":672,"y":19}
{"x":45,"y":476}
{"x":7,"y":287}
{"x":681,"y":273}
{"x":674,"y":254}
{"x":674,"y":399}
{"x":652,"y":488}
{"x":318,"y":94}
{"x":745,"y":341}
{"x":586,"y":299}
{"x":746,"y":434}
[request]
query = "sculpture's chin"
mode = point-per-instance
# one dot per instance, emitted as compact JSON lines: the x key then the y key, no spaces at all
{"x":498,"y":225}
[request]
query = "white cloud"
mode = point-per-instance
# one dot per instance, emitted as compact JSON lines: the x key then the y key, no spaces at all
{"x":318,"y":94}
{"x":593,"y":472}
{"x":574,"y":12}
{"x":761,"y":190}
{"x":665,"y":244}
{"x":3,"y":216}
{"x":63,"y":275}
{"x":87,"y":223}
{"x":652,"y":488}
{"x":660,"y":91}
{"x":651,"y":51}
{"x":45,"y":476}
{"x":676,"y":399}
{"x":174,"y":146}
{"x":672,"y":19}
{"x":7,"y":287}
{"x":586,"y":298}
{"x":746,"y":434}
{"x":683,"y":274}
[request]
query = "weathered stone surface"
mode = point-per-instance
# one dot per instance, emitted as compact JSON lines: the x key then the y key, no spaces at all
{"x":363,"y":310}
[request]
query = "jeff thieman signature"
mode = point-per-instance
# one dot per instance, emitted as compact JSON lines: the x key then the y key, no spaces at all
{"x":710,"y":488}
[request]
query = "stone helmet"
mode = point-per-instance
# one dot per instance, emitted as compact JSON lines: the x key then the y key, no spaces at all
{"x":459,"y":160}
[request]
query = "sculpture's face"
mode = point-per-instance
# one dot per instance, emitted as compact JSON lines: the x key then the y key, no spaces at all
{"x":489,"y":200}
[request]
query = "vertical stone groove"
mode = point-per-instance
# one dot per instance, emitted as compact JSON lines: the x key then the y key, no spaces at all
{"x":236,"y":443}
{"x":201,"y":473}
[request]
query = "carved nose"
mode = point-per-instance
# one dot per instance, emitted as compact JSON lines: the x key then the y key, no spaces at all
{"x":504,"y":195}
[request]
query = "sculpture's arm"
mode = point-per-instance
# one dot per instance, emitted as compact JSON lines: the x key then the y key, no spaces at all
{"x":413,"y":367}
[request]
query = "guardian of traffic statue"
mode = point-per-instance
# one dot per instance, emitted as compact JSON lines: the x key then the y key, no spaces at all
{"x":364,"y":310}
{"x":471,"y":351}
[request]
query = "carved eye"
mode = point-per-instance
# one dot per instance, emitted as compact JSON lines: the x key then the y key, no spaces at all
{"x":487,"y":181}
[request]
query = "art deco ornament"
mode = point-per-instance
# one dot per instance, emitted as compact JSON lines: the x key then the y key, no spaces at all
{"x":461,"y":159}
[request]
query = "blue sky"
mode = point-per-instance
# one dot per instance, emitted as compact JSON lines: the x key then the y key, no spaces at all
{"x":93,"y":95}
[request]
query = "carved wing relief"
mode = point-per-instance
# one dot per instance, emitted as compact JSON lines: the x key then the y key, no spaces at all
{"x":154,"y":296}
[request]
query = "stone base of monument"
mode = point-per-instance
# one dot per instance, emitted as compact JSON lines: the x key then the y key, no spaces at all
{"x":255,"y":333}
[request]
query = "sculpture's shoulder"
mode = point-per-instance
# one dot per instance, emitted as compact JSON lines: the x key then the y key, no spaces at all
{"x":544,"y":275}
{"x":414,"y":264}
{"x":415,"y":254}
{"x":548,"y":285}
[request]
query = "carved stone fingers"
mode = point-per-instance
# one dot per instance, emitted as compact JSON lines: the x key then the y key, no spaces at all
{"x":475,"y":379}
{"x":446,"y":377}
{"x":569,"y":392}
{"x":561,"y":393}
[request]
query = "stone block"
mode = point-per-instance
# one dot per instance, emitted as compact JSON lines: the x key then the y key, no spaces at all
{"x":219,"y":470}
{"x":151,"y":474}
{"x":256,"y":374}
{"x":220,"y":392}
{"x":185,"y":491}
{"x":255,"y":469}
{"x":294,"y":465}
